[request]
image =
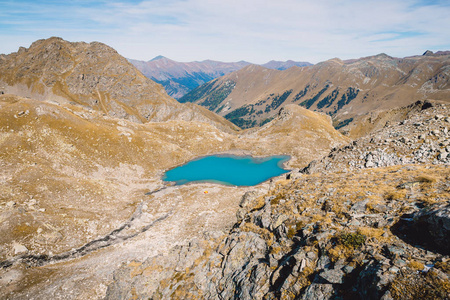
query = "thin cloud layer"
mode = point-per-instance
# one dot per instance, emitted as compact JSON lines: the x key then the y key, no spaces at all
{"x":253,"y":30}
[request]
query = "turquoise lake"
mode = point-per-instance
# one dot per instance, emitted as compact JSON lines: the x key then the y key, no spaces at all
{"x":228,"y":170}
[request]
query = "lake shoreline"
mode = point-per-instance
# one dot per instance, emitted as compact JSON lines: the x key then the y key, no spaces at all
{"x":252,"y":164}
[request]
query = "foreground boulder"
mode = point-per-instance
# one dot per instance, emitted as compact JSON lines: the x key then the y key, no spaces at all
{"x":429,"y":227}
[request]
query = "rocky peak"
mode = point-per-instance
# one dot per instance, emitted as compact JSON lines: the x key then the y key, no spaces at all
{"x":159,"y":57}
{"x":92,"y":75}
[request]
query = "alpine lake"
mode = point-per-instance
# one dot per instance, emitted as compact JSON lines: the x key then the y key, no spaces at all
{"x":228,"y":170}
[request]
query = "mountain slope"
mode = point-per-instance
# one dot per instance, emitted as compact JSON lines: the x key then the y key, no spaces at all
{"x":81,"y":192}
{"x":91,"y":75}
{"x":343,"y":89}
{"x":283,"y":65}
{"x":178,"y":78}
{"x":80,"y":181}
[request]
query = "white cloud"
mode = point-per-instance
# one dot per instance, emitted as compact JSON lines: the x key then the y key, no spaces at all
{"x":256,"y":30}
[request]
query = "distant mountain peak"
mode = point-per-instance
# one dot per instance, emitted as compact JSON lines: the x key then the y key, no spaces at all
{"x":158,"y":58}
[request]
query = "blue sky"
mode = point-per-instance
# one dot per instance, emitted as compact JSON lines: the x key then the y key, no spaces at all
{"x":232,"y":30}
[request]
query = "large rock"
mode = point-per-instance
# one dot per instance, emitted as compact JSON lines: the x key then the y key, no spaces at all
{"x":433,"y":225}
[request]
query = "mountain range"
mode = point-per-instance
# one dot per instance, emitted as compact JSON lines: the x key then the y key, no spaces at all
{"x":178,"y":78}
{"x":85,"y":139}
{"x":345,"y":90}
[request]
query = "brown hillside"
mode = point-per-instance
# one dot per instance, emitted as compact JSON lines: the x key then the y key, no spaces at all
{"x":92,"y":75}
{"x":342,"y":89}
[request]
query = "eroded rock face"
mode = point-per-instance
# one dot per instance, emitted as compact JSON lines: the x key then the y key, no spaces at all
{"x":436,"y":220}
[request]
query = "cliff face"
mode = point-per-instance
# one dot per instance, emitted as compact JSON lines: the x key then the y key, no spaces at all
{"x":362,"y":230}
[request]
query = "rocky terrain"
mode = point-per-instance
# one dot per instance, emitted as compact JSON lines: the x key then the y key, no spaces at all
{"x":80,"y":185}
{"x":345,"y":90}
{"x":421,"y":137}
{"x":359,"y":224}
{"x":179,"y":78}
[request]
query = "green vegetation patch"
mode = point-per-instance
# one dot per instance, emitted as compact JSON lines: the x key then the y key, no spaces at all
{"x":212,"y":95}
{"x":348,"y":96}
{"x":343,"y":123}
{"x":351,"y":240}
{"x":198,"y":93}
{"x":301,"y":94}
{"x":328,"y":100}
{"x":244,"y":123}
{"x":236,"y":116}
{"x":277,"y":101}
{"x":309,"y":102}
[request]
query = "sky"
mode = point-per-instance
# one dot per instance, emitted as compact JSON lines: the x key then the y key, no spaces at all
{"x":232,"y":30}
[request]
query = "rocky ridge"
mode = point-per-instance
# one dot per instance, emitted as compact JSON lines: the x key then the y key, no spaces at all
{"x":422,"y":136}
{"x":341,"y":232}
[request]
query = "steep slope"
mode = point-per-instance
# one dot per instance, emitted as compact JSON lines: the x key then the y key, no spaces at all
{"x":293,"y":131}
{"x":343,"y":89}
{"x":92,"y":75}
{"x":178,"y":78}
